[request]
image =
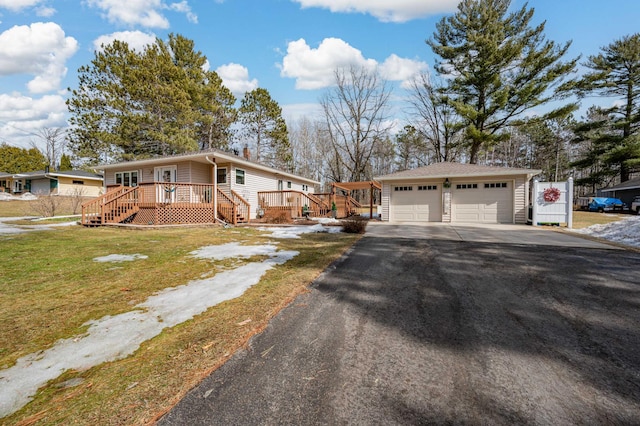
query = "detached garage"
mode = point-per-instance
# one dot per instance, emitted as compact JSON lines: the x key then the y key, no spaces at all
{"x":460,"y":193}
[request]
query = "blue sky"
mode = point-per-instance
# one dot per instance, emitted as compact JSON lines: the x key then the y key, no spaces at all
{"x":289,"y":47}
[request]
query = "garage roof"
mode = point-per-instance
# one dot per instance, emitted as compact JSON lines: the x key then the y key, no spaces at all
{"x":630,"y":184}
{"x":452,"y":170}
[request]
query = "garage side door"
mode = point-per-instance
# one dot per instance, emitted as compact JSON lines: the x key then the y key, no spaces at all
{"x":482,"y":202}
{"x":416,"y":203}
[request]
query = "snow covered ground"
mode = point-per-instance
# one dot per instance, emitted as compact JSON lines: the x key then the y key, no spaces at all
{"x":115,"y":337}
{"x":27,"y":196}
{"x":625,"y":231}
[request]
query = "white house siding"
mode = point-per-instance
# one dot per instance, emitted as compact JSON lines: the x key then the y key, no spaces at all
{"x":201,"y":172}
{"x":254,"y":181}
{"x":386,"y":190}
{"x":521,"y":202}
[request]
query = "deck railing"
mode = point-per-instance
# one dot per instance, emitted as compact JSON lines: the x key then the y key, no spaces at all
{"x":227,"y":208}
{"x":119,"y":203}
{"x":244,"y":209}
{"x":296,"y":202}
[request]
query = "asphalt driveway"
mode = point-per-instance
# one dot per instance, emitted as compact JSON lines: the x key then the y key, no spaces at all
{"x":444,"y":324}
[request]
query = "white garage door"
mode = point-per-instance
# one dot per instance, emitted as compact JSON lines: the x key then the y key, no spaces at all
{"x":40,"y":186}
{"x":482,"y":202}
{"x":416,"y":203}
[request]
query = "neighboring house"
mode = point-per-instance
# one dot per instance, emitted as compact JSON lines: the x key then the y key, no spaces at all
{"x":43,"y":182}
{"x":626,"y":191}
{"x":459,"y":193}
{"x":198,"y":187}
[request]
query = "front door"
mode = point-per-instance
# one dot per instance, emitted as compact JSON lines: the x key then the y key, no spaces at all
{"x":166,"y":176}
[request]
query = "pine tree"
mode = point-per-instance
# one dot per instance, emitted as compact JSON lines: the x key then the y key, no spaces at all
{"x":160,"y":101}
{"x":498,"y":67}
{"x":19,"y":160}
{"x":615,"y":72}
{"x":265,"y":128}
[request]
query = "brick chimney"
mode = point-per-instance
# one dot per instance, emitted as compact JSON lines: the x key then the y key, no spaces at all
{"x":245,"y":152}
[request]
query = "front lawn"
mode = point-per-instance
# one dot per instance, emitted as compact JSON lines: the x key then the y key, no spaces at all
{"x":584,"y":219}
{"x":50,"y":286}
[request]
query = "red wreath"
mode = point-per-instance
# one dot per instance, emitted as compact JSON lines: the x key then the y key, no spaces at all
{"x":551,"y":195}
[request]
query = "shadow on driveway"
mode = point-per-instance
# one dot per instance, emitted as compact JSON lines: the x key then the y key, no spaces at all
{"x":444,"y":324}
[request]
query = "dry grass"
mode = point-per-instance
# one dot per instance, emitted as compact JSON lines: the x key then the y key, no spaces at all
{"x":16,"y":208}
{"x":584,"y":219}
{"x":50,"y":286}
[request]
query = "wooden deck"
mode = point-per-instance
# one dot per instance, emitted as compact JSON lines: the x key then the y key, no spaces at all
{"x":164,"y":203}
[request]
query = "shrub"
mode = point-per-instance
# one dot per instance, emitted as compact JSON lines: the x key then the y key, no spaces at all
{"x":355,"y":225}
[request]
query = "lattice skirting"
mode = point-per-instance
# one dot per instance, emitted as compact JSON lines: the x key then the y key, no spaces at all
{"x":173,"y":215}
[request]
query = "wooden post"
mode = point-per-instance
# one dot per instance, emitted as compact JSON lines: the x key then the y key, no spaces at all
{"x":371,"y":201}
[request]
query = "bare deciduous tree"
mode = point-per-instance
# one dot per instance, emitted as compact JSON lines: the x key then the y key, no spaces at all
{"x":54,"y":139}
{"x":435,"y":120}
{"x":356,"y":116}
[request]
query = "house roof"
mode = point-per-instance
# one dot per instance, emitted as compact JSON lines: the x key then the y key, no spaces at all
{"x":630,"y":184}
{"x":81,"y":174}
{"x":454,"y":170}
{"x":204,"y":157}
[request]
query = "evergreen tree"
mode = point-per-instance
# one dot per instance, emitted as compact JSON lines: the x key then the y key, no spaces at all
{"x":498,"y":68}
{"x":615,"y":72}
{"x":160,"y":101}
{"x":19,"y":160}
{"x":265,"y":128}
{"x":410,"y":149}
{"x":593,"y":139}
{"x":65,"y":163}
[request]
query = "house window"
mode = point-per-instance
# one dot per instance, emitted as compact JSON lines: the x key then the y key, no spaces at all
{"x":427,"y":187}
{"x":239,"y":177}
{"x":288,"y":185}
{"x":77,"y":182}
{"x":467,"y":186}
{"x":221,"y":175}
{"x":127,"y":178}
{"x":305,"y":187}
{"x":403,"y":188}
{"x":496,"y":185}
{"x":280,"y":185}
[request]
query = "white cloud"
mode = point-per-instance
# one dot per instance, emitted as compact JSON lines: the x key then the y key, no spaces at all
{"x":16,"y":5}
{"x":22,"y":116}
{"x":314,"y":68}
{"x":295,"y":112}
{"x":45,"y":11}
{"x":147,"y":13}
{"x":40,"y":50}
{"x":385,"y":10}
{"x":396,"y":68}
{"x":184,"y":7}
{"x":136,"y":40}
{"x":236,"y":78}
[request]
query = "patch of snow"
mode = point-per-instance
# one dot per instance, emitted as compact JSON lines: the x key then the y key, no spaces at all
{"x":233,"y":250}
{"x":8,"y":229}
{"x":115,"y":337}
{"x":326,"y":220}
{"x":296,"y":231}
{"x":625,"y":231}
{"x":120,"y":258}
{"x":27,"y":196}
